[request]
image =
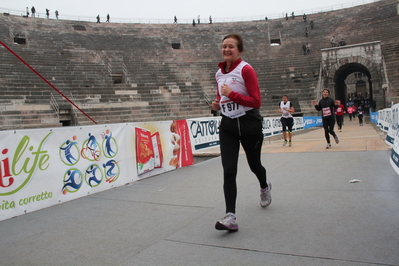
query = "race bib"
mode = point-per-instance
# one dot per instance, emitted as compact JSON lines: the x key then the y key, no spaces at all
{"x":285,"y":114}
{"x":230,"y":108}
{"x":326,"y":111}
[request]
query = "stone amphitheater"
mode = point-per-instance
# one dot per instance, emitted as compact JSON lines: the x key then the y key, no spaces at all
{"x":116,"y":73}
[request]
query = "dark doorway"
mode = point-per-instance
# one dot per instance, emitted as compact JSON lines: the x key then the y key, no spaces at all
{"x":351,"y":80}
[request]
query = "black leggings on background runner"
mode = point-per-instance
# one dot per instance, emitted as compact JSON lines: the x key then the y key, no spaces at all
{"x":328,"y":125}
{"x":287,"y":122}
{"x":340,"y":121}
{"x":229,"y":148}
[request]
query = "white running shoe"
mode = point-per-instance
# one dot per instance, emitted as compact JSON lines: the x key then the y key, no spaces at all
{"x":266,"y":197}
{"x":229,"y":222}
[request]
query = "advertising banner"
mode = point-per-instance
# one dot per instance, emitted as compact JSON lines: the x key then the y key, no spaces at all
{"x":374,"y":117}
{"x":312,"y":121}
{"x":393,"y":137}
{"x":393,"y":124}
{"x":384,"y":119}
{"x":160,"y":147}
{"x":204,"y":132}
{"x":272,"y":125}
{"x":44,"y":167}
{"x":299,"y":124}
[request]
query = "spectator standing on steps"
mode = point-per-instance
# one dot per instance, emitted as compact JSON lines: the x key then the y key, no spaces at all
{"x":306,"y":32}
{"x":98,"y":18}
{"x":108,"y":17}
{"x":307,"y":48}
{"x":238,"y":98}
{"x":175,"y":20}
{"x":198,"y":19}
{"x":33,"y":9}
{"x":47,"y":13}
{"x":27,"y":11}
{"x":56,"y":14}
{"x":304,"y":49}
{"x":210,"y":20}
{"x":333,"y":42}
{"x":311,"y":24}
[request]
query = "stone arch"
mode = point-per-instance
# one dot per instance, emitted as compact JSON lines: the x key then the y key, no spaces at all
{"x":344,"y":67}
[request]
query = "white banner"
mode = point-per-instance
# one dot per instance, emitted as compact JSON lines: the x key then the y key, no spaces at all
{"x":44,"y":167}
{"x":384,"y":119}
{"x":204,"y":132}
{"x":272,"y":125}
{"x":393,"y":124}
{"x":393,"y":137}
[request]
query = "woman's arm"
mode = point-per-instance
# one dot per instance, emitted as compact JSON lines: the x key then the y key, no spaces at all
{"x":215,"y":104}
{"x":251,"y":83}
{"x":316,"y":105}
{"x":291,"y":110}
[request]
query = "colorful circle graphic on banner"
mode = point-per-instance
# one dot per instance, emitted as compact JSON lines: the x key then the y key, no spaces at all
{"x":69,"y":152}
{"x":109,"y":145}
{"x":94,"y":175}
{"x":111,"y":170}
{"x":72,"y":181}
{"x":91,"y":150}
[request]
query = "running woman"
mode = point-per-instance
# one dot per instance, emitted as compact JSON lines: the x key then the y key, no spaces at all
{"x":339,"y":114}
{"x":238,"y":98}
{"x":327,"y":105}
{"x":286,"y":109}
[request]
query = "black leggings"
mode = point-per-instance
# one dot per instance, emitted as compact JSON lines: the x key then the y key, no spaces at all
{"x":287,"y":122}
{"x":360,"y":119}
{"x":229,"y":148}
{"x":328,"y":124}
{"x":340,"y":121}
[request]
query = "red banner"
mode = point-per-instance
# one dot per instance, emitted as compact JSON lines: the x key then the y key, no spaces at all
{"x":185,"y":154}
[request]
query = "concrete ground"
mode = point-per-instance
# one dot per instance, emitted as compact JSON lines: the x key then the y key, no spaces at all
{"x":317,"y":216}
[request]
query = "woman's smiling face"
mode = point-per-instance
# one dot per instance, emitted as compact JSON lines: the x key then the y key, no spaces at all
{"x":325,"y":93}
{"x":230,"y":51}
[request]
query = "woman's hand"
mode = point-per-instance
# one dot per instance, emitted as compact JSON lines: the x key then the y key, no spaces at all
{"x":215,"y":105}
{"x":314,"y":103}
{"x":225,"y":90}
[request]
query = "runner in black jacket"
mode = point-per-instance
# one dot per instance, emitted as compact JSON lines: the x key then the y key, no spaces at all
{"x":327,"y":105}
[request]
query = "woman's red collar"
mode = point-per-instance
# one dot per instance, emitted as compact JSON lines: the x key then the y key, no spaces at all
{"x":223,"y":64}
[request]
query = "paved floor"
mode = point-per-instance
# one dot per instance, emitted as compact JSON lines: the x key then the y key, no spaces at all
{"x":317,"y":216}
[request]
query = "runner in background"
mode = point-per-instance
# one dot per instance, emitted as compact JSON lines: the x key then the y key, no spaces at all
{"x":286,"y":109}
{"x":327,"y":105}
{"x":339,"y":114}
